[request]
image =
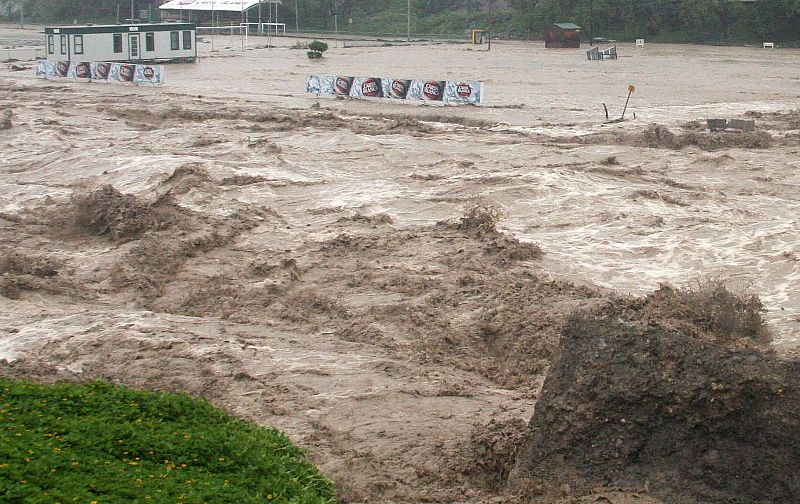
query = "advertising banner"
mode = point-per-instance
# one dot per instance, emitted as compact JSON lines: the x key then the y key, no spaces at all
{"x":62,"y":68}
{"x":147,"y":74}
{"x":448,"y":92}
{"x":45,"y":69}
{"x":101,"y":71}
{"x":82,"y":71}
{"x":121,"y":72}
{"x":366,"y":87}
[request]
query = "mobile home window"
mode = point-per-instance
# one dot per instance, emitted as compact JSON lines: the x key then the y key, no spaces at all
{"x":174,"y":40}
{"x":63,"y":44}
{"x":78,"y":44}
{"x":117,"y":42}
{"x":50,"y":45}
{"x":187,"y":40}
{"x":150,"y":41}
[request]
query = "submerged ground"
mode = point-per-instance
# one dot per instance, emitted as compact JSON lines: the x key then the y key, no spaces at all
{"x":312,"y":264}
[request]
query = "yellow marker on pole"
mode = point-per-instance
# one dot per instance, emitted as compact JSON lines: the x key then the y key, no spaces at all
{"x":631,"y":88}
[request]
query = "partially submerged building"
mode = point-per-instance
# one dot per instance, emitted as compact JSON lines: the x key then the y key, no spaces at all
{"x":562,"y":35}
{"x":141,"y":42}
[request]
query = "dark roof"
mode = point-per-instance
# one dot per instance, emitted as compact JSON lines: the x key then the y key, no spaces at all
{"x":568,"y":26}
{"x":119,"y":28}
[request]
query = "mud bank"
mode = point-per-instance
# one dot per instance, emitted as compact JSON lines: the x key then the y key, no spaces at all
{"x":677,"y":417}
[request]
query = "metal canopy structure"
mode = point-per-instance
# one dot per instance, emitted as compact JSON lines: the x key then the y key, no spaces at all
{"x":214,"y":5}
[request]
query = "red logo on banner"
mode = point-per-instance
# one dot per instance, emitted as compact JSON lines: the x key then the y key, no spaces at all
{"x":463,"y":90}
{"x":102,"y":70}
{"x":432,"y":90}
{"x":343,"y":85}
{"x":148,"y":72}
{"x":62,"y":67}
{"x":371,"y":87}
{"x":83,"y":71}
{"x":399,"y":88}
{"x":126,"y":72}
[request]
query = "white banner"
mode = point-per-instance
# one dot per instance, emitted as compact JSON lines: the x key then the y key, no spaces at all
{"x":101,"y":71}
{"x":448,"y":92}
{"x":213,"y":5}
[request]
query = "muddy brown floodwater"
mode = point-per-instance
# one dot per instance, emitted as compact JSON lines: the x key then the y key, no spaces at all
{"x":313,"y":264}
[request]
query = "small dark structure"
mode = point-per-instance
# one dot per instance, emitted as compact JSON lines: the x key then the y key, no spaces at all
{"x":562,"y":35}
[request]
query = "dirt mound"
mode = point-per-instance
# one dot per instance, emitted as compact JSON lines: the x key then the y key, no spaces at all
{"x":707,"y":310}
{"x":40,"y":266}
{"x":121,"y":217}
{"x":5,"y":119}
{"x":373,"y":220}
{"x":480,"y":220}
{"x":784,"y":120}
{"x":20,"y":272}
{"x":689,"y":419}
{"x":659,"y":136}
{"x":494,"y":450}
{"x":242,"y":180}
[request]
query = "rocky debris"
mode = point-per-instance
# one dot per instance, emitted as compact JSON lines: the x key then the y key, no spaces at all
{"x":641,"y":407}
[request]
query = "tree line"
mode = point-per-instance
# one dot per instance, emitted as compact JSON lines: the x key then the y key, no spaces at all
{"x":714,"y":21}
{"x":678,"y":20}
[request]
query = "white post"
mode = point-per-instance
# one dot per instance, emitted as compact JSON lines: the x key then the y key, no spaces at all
{"x":269,"y":30}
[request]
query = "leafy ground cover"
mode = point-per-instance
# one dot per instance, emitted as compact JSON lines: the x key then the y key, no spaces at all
{"x":101,"y":443}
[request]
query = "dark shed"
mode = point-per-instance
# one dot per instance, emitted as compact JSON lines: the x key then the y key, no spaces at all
{"x":563,"y":35}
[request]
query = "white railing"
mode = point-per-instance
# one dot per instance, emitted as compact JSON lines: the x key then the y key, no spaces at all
{"x":270,"y":26}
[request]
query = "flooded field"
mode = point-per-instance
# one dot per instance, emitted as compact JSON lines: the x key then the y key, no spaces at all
{"x":382,"y":280}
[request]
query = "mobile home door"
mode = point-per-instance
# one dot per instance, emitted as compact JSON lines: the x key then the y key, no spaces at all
{"x":133,"y":45}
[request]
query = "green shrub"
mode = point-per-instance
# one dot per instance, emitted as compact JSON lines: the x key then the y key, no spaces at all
{"x":316,"y":48}
{"x":104,"y":443}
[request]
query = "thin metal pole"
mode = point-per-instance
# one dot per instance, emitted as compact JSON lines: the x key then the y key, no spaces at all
{"x":296,"y":22}
{"x":131,"y":11}
{"x":336,"y":23}
{"x":260,"y":26}
{"x":21,"y":15}
{"x":408,"y":21}
{"x":630,"y":92}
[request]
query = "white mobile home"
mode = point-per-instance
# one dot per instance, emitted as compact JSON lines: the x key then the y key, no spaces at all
{"x":124,"y":42}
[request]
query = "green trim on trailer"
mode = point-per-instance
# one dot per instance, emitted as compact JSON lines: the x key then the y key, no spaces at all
{"x":151,"y":27}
